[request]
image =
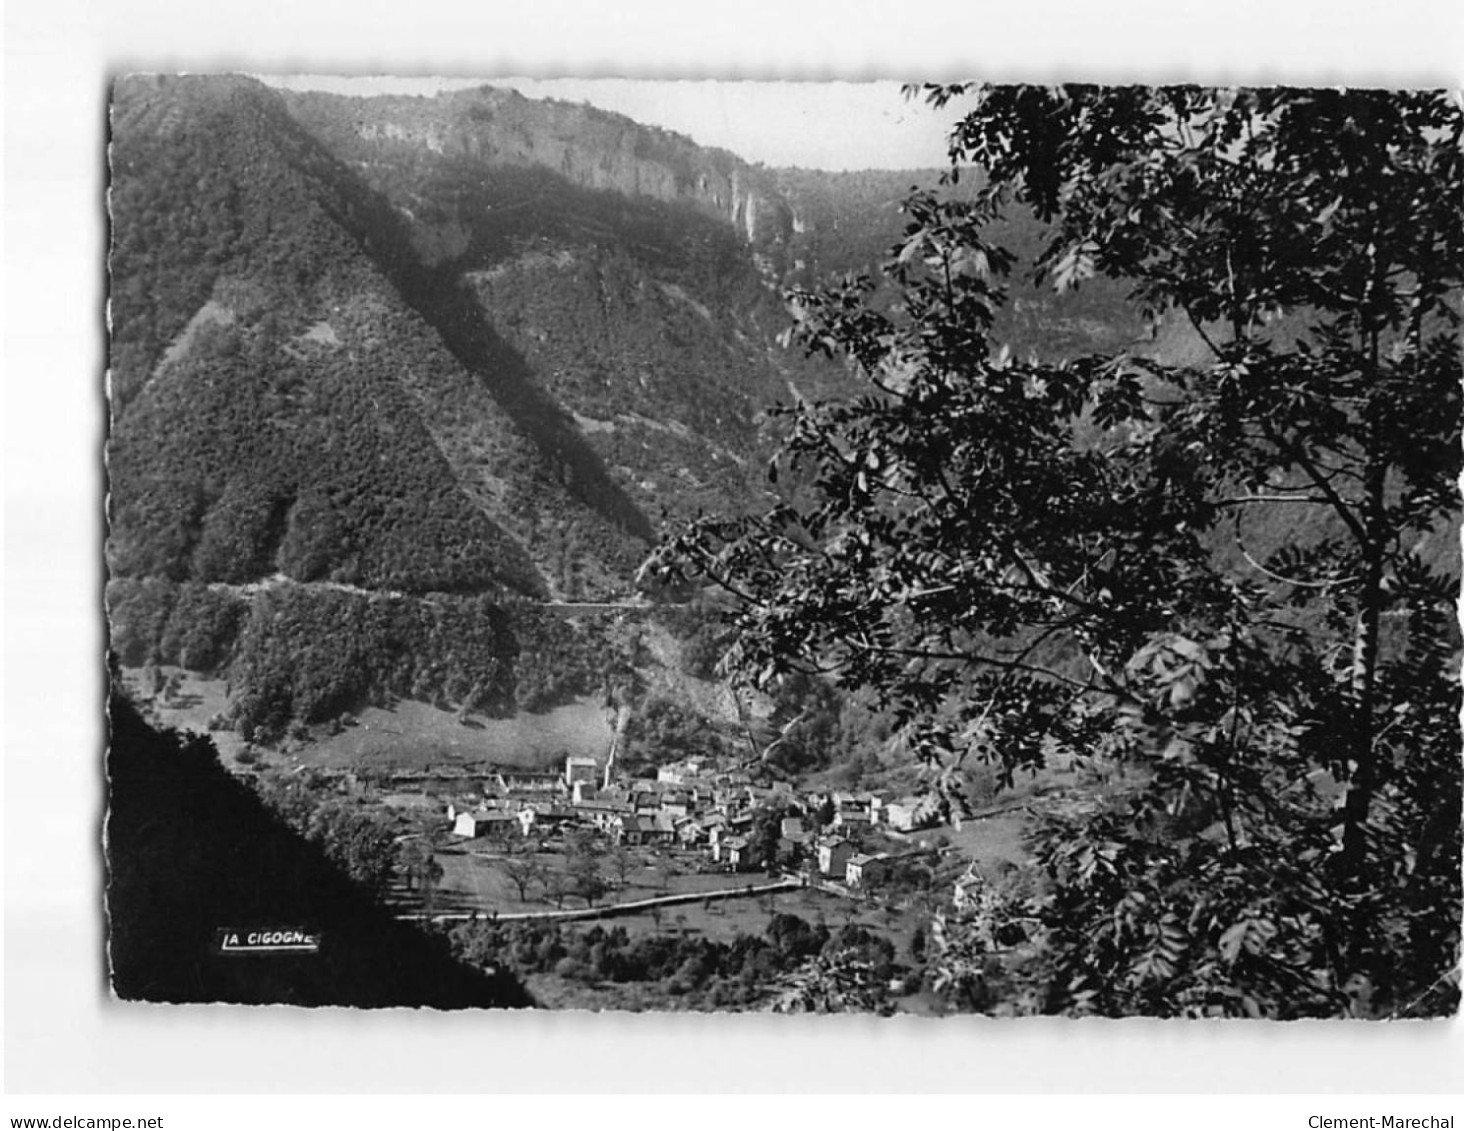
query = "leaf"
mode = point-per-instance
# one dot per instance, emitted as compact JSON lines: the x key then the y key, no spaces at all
{"x":911,"y":249}
{"x":971,"y":260}
{"x":1077,"y":264}
{"x":1232,"y":940}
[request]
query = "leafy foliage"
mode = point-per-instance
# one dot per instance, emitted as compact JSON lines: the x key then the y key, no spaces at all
{"x":1033,"y":558}
{"x":300,"y":653}
{"x":662,"y":731}
{"x":202,"y":628}
{"x":137,"y":616}
{"x":582,"y":868}
{"x":361,"y":841}
{"x":311,"y":654}
{"x":792,"y":967}
{"x":851,"y":219}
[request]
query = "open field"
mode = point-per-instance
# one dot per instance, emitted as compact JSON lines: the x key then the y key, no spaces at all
{"x":198,"y":700}
{"x":474,"y":879}
{"x":408,"y":736}
{"x":412,"y":736}
{"x":477,"y":884}
{"x":990,"y":842}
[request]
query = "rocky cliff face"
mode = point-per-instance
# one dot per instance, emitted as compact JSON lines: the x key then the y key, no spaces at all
{"x":590,"y":148}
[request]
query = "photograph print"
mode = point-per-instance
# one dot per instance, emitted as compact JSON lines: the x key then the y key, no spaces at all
{"x":931,"y":550}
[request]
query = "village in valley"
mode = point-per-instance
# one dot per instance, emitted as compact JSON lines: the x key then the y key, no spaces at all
{"x":707,"y":857}
{"x":696,"y":831}
{"x":610,"y":871}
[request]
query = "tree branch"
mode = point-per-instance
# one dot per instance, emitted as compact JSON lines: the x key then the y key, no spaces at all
{"x":1323,"y":483}
{"x":1242,"y":500}
{"x":971,"y":658}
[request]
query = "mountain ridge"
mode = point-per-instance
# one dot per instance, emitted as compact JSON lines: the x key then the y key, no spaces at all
{"x":592,"y":148}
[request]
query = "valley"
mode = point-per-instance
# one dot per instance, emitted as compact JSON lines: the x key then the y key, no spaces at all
{"x":652,"y":580}
{"x":405,"y":392}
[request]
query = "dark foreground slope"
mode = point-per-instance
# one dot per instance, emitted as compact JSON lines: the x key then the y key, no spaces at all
{"x":191,"y":849}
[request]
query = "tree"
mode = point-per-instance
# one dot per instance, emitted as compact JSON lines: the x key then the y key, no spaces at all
{"x":766,"y":834}
{"x":431,"y":876}
{"x":805,"y":718}
{"x":360,"y":842}
{"x":917,"y":944}
{"x":591,"y":887}
{"x":838,"y":982}
{"x":419,"y":863}
{"x":582,"y":867}
{"x":623,"y":862}
{"x":662,"y":731}
{"x":522,"y":871}
{"x":557,"y":885}
{"x":1208,"y":555}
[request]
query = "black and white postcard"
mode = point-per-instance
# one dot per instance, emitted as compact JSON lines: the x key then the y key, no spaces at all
{"x":797,"y":548}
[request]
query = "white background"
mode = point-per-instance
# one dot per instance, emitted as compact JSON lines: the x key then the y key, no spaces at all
{"x":62,"y":1034}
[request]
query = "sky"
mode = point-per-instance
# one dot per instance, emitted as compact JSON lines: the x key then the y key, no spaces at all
{"x":815,"y":125}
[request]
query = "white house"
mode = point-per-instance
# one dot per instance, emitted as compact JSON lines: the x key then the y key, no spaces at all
{"x":485,"y":822}
{"x":909,"y":813}
{"x":862,"y":869}
{"x":737,"y":852}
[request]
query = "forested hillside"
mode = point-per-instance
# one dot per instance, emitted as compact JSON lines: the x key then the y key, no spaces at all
{"x":282,"y":398}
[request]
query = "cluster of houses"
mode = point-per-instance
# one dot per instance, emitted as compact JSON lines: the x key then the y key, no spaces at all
{"x":692,"y":805}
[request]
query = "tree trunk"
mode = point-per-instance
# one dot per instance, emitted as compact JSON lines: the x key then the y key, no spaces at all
{"x":1363,"y":679}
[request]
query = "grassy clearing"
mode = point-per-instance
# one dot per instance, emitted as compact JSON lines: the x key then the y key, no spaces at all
{"x":475,"y":879}
{"x":989,"y":842}
{"x":413,"y":736}
{"x":473,"y":882}
{"x":408,"y":736}
{"x":196,"y":701}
